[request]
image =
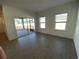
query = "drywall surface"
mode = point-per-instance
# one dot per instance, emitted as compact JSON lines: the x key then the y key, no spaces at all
{"x":76,"y":37}
{"x":69,"y":8}
{"x":10,"y":13}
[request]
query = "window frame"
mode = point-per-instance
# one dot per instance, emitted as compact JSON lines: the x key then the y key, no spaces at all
{"x":42,"y":22}
{"x":61,"y":22}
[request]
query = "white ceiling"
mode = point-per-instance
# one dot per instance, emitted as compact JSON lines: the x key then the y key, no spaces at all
{"x":36,"y":5}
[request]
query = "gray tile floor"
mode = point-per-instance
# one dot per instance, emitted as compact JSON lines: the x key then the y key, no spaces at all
{"x":40,"y":46}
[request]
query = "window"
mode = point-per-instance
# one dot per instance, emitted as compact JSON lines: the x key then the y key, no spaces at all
{"x":42,"y":22}
{"x":60,"y":21}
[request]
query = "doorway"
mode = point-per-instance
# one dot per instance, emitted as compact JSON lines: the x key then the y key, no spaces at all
{"x":24,"y":26}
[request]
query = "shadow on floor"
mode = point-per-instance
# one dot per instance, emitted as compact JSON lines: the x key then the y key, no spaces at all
{"x":21,"y":33}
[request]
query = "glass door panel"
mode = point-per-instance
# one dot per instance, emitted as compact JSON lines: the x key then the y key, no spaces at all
{"x":18,"y":23}
{"x":28,"y":23}
{"x":25,"y":23}
{"x":32,"y":24}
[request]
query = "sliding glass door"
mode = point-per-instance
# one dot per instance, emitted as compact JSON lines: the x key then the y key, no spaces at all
{"x":24,"y":26}
{"x":25,"y":23}
{"x":29,"y":24}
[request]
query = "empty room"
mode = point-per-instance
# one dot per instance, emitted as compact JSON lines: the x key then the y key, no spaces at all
{"x":39,"y":29}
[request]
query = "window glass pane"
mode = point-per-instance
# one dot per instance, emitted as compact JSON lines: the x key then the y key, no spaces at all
{"x":60,"y":26}
{"x":33,"y":20}
{"x":42,"y":19}
{"x":42,"y":25}
{"x":18,"y":23}
{"x":61,"y":17}
{"x":25,"y":23}
{"x":27,"y":19}
{"x":18,"y":20}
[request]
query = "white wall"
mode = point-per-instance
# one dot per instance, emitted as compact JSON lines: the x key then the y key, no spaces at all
{"x":70,"y":8}
{"x":76,"y":37}
{"x":10,"y":13}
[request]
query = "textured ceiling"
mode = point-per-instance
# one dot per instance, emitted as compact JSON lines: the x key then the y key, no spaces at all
{"x":35,"y":5}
